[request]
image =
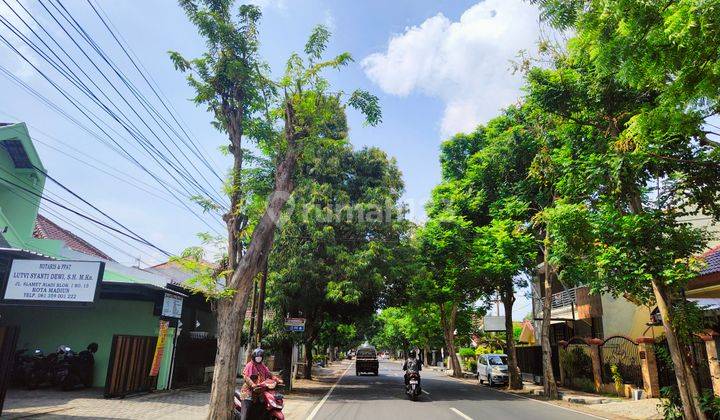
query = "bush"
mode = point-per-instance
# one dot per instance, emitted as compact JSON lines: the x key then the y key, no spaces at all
{"x":670,"y":403}
{"x":710,"y":404}
{"x":471,"y":365}
{"x":486,"y":350}
{"x":466,"y":352}
{"x":318,"y":358}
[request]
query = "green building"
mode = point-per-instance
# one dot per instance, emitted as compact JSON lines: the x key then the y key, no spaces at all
{"x":129,"y":302}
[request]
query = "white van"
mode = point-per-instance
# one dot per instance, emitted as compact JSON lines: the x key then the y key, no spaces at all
{"x":493,"y":369}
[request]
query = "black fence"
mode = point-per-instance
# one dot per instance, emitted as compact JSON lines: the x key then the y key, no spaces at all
{"x":8,"y":342}
{"x":622,"y":355}
{"x":695,"y":354}
{"x":530,"y":360}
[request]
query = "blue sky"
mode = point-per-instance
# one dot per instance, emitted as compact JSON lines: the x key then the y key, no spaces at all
{"x":438,"y":66}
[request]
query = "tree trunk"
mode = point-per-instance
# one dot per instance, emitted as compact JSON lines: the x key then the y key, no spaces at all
{"x":448,"y":323}
{"x":308,"y":360}
{"x":261,"y":305}
{"x":508,"y":298}
{"x":245,"y":269}
{"x":549,"y":386}
{"x":230,"y":316}
{"x":685,"y":376}
{"x":251,"y":334}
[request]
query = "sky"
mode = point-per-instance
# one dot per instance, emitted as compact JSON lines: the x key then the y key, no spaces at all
{"x":439,"y":67}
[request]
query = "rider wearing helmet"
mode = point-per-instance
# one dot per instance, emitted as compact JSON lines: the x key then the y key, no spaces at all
{"x":412,"y":364}
{"x":255,"y":372}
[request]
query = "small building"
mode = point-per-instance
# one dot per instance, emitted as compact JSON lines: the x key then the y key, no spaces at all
{"x":131,"y":311}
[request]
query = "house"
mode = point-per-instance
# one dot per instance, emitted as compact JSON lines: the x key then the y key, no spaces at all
{"x":127,"y":315}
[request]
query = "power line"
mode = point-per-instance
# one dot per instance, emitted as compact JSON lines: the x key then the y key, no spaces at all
{"x":94,"y":121}
{"x":84,"y":216}
{"x":75,"y":80}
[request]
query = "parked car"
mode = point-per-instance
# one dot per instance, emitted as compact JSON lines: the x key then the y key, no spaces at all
{"x":492,"y":368}
{"x":366,"y":361}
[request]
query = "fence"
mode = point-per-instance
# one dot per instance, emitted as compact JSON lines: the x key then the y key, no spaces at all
{"x":131,"y":358}
{"x":577,"y":365}
{"x":8,"y":341}
{"x":530,"y":361}
{"x":695,"y":353}
{"x":622,"y":353}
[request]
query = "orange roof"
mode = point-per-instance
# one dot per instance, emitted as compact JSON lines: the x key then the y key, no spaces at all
{"x":46,"y":229}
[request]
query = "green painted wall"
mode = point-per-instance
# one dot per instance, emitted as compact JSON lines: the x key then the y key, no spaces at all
{"x":47,"y":328}
{"x":19,"y":208}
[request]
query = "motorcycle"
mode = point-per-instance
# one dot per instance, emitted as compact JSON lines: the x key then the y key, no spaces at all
{"x":412,"y":387}
{"x":74,"y":369}
{"x":267,"y":403}
{"x":30,"y":370}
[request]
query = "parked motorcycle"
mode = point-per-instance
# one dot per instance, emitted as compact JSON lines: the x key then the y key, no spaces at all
{"x":74,"y":369}
{"x":30,"y":369}
{"x":268,"y":403}
{"x":412,"y":388}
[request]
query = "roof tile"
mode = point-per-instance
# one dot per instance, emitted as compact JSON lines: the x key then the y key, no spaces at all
{"x":46,"y":229}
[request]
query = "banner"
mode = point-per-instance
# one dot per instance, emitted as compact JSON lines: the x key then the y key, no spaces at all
{"x":159,"y":348}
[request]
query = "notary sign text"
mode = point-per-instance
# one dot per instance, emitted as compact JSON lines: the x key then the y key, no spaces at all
{"x":58,"y":281}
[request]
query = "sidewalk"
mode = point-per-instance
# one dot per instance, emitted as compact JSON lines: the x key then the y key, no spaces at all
{"x":189,"y":403}
{"x":307,"y":393}
{"x":599,"y":405}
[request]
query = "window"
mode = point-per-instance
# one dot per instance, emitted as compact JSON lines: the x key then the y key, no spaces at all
{"x":497,"y":360}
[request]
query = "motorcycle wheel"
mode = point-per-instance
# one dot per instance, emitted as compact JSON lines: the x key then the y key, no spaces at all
{"x":413,"y":396}
{"x":236,"y":414}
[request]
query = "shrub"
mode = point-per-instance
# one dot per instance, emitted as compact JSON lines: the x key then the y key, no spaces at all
{"x":466,"y":352}
{"x":471,"y":365}
{"x":670,"y":403}
{"x":486,"y":350}
{"x":710,"y":404}
{"x":617,"y":379}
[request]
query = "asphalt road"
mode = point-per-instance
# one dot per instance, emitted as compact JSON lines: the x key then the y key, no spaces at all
{"x":383,"y":397}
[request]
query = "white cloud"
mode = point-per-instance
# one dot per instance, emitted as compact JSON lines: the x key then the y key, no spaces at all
{"x":465,"y":63}
{"x":12,"y":61}
{"x":265,"y":4}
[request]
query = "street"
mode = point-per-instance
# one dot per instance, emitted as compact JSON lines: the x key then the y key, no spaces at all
{"x":382,"y":397}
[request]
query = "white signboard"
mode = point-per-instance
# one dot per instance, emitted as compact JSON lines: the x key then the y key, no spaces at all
{"x":295,"y":324}
{"x":172,"y":306}
{"x":493,"y":323}
{"x":57,"y":281}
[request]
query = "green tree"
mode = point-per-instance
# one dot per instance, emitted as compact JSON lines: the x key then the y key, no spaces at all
{"x":638,"y":104}
{"x":229,"y":79}
{"x":331,"y":262}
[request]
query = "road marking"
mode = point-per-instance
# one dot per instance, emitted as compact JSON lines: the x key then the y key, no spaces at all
{"x":551,"y":404}
{"x":531,"y":399}
{"x":327,"y":395}
{"x":425,"y":392}
{"x":460,"y":413}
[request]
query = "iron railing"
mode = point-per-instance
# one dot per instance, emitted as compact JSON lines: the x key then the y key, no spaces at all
{"x":564,"y":298}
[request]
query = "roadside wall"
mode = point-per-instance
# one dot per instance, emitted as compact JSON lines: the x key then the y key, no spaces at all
{"x":47,"y":328}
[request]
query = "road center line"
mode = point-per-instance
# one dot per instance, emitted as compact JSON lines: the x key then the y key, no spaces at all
{"x":460,"y":413}
{"x":426,"y":392}
{"x":327,"y":395}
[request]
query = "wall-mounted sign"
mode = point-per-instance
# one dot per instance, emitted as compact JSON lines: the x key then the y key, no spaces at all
{"x":172,"y":306}
{"x":295,"y":324}
{"x":62,"y":282}
{"x":493,"y":323}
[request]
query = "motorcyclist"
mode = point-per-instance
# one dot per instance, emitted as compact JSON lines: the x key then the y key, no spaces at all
{"x":412,"y":364}
{"x":254,"y":373}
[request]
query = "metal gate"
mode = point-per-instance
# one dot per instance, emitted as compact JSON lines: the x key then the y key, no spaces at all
{"x":131,"y":358}
{"x":577,"y":365}
{"x":8,"y":342}
{"x":695,"y":354}
{"x":529,"y":359}
{"x":622,"y":353}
